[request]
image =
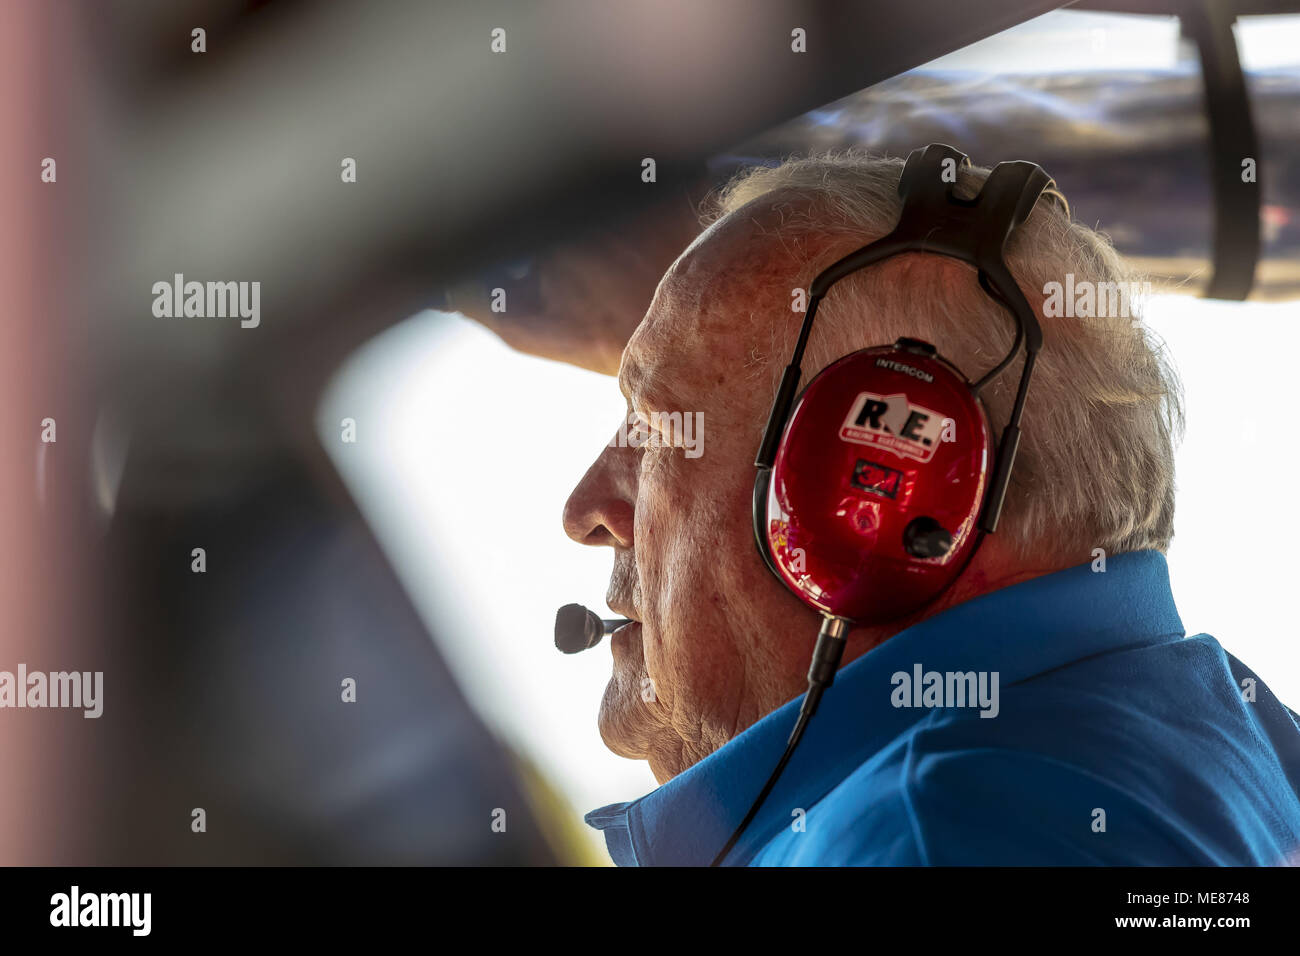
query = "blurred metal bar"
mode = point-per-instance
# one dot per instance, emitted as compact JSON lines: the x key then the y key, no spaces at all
{"x":464,"y":156}
{"x":1232,"y":138}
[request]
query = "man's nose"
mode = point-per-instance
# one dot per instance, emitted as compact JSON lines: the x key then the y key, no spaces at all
{"x":601,"y":509}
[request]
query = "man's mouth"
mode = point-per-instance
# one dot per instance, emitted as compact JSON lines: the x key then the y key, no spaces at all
{"x":626,"y":610}
{"x":625,"y":645}
{"x":622,"y":636}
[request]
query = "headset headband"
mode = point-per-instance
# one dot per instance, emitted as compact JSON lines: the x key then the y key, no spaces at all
{"x":972,"y":230}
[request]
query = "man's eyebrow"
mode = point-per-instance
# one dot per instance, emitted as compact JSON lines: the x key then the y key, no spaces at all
{"x":635,"y":381}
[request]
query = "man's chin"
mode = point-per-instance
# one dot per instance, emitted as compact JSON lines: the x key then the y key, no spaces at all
{"x":622,"y":722}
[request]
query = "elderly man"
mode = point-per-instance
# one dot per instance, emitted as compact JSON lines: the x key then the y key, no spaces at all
{"x":1113,"y":738}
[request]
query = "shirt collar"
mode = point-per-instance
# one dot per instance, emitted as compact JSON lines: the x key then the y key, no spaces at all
{"x":1018,"y":631}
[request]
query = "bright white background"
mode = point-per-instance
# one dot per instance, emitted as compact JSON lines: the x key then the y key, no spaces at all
{"x":467,"y":451}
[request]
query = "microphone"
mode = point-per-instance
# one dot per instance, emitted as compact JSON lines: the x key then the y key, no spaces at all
{"x":577,"y":629}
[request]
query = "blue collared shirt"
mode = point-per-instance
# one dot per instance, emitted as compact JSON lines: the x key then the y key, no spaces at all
{"x":1116,"y":741}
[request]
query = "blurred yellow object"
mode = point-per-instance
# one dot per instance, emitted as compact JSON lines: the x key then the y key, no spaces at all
{"x":562,"y":826}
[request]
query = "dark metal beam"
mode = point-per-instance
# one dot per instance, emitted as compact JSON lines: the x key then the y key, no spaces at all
{"x":1232,"y":140}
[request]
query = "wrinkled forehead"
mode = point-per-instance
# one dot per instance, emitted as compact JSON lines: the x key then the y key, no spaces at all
{"x":715,"y":304}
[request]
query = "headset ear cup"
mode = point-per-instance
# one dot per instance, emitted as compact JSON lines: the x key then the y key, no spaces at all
{"x":871,"y":507}
{"x":837,"y":522}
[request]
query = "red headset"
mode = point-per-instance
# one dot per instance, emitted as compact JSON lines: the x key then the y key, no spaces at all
{"x":873,"y":494}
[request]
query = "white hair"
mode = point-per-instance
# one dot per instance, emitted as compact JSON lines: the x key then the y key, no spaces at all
{"x":1096,"y":462}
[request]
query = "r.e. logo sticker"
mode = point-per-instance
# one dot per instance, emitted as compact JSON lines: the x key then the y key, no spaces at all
{"x":891,"y":422}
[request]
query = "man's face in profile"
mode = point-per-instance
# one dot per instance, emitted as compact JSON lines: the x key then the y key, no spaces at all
{"x":698,"y":666}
